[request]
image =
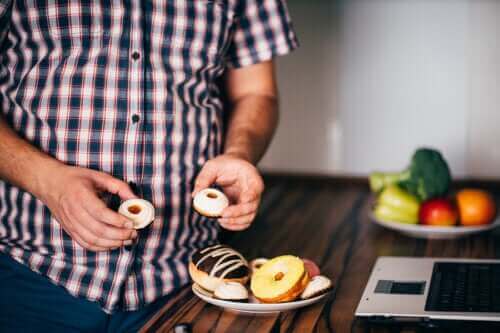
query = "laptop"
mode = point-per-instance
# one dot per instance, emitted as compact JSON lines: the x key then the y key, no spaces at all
{"x":402,"y":289}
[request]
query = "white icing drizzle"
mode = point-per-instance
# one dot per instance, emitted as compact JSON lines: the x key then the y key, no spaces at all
{"x":222,"y":252}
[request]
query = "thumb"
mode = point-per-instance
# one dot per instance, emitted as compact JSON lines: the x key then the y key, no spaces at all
{"x":114,"y":186}
{"x":206,"y":177}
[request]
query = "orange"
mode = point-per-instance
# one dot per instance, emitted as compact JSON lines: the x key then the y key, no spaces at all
{"x":475,"y":207}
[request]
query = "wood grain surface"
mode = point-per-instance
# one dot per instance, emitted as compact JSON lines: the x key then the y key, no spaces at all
{"x":327,"y":221}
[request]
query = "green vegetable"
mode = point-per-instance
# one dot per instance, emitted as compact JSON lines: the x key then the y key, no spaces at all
{"x":385,"y":213}
{"x":428,"y":176}
{"x":395,"y":204}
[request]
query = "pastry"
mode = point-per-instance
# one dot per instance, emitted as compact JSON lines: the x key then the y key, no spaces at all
{"x":215,"y":264}
{"x":318,"y":285}
{"x":139,"y":211}
{"x":202,"y":291}
{"x":231,"y":291}
{"x":281,"y":279}
{"x":311,"y":267}
{"x":210,"y":202}
{"x":257,"y":263}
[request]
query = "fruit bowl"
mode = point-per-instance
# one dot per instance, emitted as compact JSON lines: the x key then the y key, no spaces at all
{"x":434,"y":232}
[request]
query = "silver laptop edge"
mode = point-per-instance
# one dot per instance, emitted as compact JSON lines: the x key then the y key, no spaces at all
{"x":406,"y":307}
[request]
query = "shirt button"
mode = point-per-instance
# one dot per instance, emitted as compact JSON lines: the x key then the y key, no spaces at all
{"x":136,"y":55}
{"x":135,"y":118}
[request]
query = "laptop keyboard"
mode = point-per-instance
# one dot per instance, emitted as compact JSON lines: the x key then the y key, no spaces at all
{"x":464,"y":287}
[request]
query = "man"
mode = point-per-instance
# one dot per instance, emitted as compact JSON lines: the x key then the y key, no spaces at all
{"x":97,"y":94}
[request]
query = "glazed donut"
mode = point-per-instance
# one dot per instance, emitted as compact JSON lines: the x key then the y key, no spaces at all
{"x":318,"y":285}
{"x":210,"y":202}
{"x":281,"y":279}
{"x":231,"y":291}
{"x":215,"y":264}
{"x":139,"y":211}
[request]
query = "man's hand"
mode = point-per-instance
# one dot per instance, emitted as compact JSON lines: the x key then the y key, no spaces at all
{"x":252,"y":95}
{"x":72,"y":195}
{"x":242,"y":184}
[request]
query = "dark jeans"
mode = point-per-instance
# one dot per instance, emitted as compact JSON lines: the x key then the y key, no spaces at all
{"x":29,"y":302}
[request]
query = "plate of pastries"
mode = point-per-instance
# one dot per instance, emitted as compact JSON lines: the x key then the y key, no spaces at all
{"x":224,"y":278}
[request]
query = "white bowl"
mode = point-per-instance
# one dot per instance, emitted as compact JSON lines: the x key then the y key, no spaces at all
{"x":434,"y":232}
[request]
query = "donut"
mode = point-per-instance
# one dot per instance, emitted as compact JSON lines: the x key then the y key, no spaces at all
{"x":231,"y":291}
{"x":202,"y":291}
{"x":318,"y":285}
{"x":311,"y":267}
{"x":257,"y":263}
{"x":219,"y":263}
{"x":139,"y":211}
{"x":210,"y":202}
{"x":281,"y":279}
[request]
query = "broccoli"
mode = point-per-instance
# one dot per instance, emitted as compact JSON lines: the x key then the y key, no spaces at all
{"x":428,"y":176}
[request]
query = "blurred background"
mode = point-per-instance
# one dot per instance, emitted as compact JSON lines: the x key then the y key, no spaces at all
{"x":374,"y":79}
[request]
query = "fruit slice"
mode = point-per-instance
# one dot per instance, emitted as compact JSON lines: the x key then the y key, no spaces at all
{"x":281,"y":279}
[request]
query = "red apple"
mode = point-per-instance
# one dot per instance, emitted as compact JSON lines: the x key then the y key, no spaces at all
{"x":438,"y":212}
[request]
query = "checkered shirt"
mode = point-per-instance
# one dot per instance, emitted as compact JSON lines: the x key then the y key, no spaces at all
{"x":128,"y":88}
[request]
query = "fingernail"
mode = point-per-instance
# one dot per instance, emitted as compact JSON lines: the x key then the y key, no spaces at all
{"x":128,"y":242}
{"x":134,"y":234}
{"x":129,"y":224}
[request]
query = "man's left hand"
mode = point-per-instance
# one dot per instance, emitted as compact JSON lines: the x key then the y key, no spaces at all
{"x":242,"y":184}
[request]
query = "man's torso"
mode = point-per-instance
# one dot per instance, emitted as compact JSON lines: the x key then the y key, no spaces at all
{"x":128,"y":88}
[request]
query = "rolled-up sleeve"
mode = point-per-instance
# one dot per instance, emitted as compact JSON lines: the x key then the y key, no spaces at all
{"x":262,"y":30}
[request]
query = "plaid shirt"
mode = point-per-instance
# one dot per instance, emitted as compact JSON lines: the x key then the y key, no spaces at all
{"x":128,"y":88}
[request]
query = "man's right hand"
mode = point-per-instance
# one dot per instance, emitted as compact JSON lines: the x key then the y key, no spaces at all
{"x":72,"y":195}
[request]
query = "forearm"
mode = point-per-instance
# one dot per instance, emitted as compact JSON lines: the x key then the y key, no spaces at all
{"x":251,"y":126}
{"x":21,"y":163}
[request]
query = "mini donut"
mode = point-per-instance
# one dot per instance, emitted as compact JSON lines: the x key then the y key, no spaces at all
{"x":311,"y":267}
{"x":281,"y":279}
{"x":318,"y":285}
{"x":215,"y":264}
{"x":210,"y":202}
{"x":202,"y":290}
{"x":257,"y":263}
{"x":139,"y":211}
{"x":231,"y":291}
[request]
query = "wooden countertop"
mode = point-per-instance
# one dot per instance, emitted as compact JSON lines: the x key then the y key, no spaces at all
{"x":326,"y":221}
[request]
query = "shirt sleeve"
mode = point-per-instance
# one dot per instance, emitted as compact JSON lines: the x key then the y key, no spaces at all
{"x":262,"y":30}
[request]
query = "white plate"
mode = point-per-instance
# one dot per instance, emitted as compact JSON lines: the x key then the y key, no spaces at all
{"x":434,"y":232}
{"x":253,"y":306}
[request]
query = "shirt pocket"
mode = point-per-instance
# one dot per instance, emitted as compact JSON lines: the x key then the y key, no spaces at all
{"x":70,"y":23}
{"x":202,"y":31}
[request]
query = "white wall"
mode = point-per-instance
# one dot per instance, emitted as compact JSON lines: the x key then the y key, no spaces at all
{"x":403,"y":82}
{"x":308,"y":82}
{"x":483,"y":117}
{"x":374,"y":79}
